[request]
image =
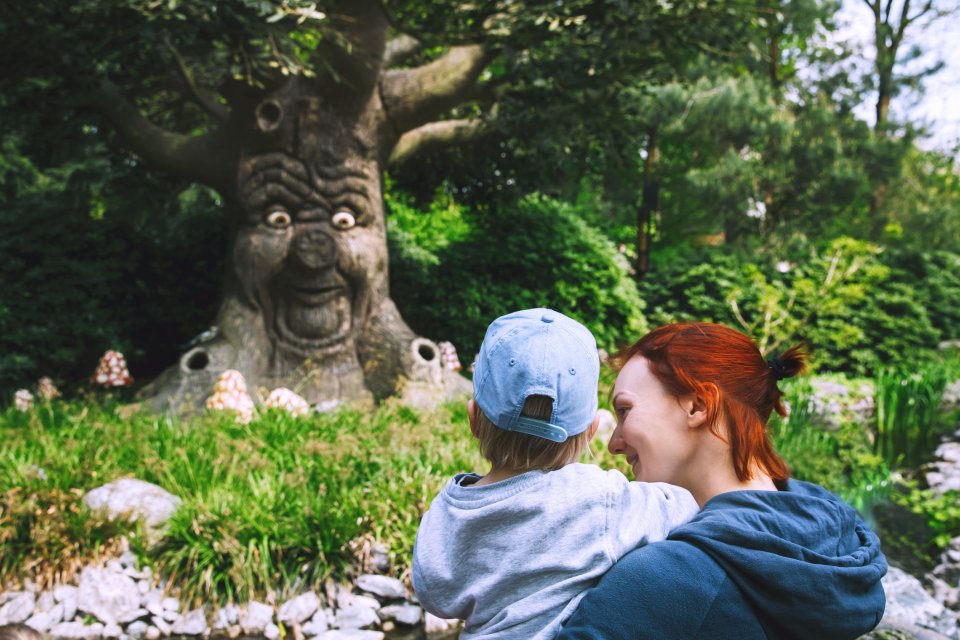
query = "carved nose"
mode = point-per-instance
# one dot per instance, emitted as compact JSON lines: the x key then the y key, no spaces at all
{"x":314,"y":249}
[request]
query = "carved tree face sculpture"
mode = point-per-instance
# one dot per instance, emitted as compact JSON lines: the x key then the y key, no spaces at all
{"x":311,"y":253}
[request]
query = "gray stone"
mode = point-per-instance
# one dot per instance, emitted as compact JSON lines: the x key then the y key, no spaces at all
{"x":226,"y":617}
{"x":256,"y":617}
{"x":271,"y":632}
{"x":408,"y":614}
{"x":43,"y":621}
{"x":433,"y":625}
{"x":45,"y":601}
{"x":133,"y":499}
{"x":192,"y":624}
{"x":346,"y":599}
{"x":109,"y":597}
{"x":153,"y":602}
{"x":77,"y":630}
{"x":298,"y":609}
{"x":357,"y":617}
{"x":908,"y":603}
{"x":112,"y":631}
{"x":67,"y":596}
{"x":380,"y":557}
{"x":351,"y":634}
{"x":317,"y":625}
{"x":383,"y":586}
{"x":18,"y":607}
{"x":170,"y":615}
{"x":171,"y":604}
{"x":161,"y":624}
{"x":137,"y":629}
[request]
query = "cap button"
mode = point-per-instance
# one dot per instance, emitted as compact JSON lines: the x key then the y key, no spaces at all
{"x":546,"y":317}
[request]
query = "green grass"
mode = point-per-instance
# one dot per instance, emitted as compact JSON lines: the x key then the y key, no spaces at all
{"x":268,"y":505}
{"x":907,"y":407}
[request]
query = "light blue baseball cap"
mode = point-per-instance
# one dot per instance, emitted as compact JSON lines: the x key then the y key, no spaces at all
{"x":538,"y":352}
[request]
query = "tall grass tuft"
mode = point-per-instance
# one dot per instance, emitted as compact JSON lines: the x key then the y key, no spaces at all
{"x":907,"y":404}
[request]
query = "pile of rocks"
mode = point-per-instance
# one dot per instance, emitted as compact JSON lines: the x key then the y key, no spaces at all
{"x":942,"y":475}
{"x":121,"y":601}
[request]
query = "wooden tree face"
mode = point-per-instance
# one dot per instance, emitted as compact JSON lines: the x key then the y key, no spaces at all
{"x":311,"y":252}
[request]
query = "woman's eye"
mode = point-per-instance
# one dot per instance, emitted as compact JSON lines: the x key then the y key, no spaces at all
{"x":343,"y":220}
{"x":278,"y":219}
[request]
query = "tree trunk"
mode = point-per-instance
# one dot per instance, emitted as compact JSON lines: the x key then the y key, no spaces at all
{"x":306,"y":303}
{"x":649,"y":204}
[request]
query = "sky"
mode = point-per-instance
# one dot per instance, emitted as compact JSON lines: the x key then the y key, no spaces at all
{"x":939,"y":106}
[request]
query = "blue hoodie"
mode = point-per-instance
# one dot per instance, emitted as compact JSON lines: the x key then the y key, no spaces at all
{"x":791,"y":564}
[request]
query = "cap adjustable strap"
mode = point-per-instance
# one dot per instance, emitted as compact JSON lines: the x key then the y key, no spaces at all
{"x":541,"y":428}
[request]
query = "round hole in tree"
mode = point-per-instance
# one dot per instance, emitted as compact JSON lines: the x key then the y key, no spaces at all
{"x":427,"y":352}
{"x":269,"y":115}
{"x":196,"y":360}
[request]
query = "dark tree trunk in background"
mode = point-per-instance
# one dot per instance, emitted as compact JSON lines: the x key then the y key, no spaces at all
{"x":649,"y":204}
{"x":306,"y":303}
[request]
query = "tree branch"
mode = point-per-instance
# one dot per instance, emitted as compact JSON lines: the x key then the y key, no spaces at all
{"x":434,"y":135}
{"x":207,"y":158}
{"x":205,"y":100}
{"x":354,"y":50}
{"x":413,"y":97}
{"x":399,"y":49}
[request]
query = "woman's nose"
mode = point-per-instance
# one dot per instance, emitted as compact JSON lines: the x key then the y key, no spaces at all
{"x":616,"y":445}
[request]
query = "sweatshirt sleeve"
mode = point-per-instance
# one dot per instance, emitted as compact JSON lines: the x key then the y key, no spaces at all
{"x":644,"y":512}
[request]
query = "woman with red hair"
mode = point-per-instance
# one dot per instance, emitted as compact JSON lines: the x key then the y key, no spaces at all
{"x":768,"y":556}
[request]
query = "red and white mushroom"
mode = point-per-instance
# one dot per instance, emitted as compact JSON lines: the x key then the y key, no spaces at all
{"x":448,"y":356}
{"x":230,"y":394}
{"x":287,"y":400}
{"x":22,"y":400}
{"x":46,"y":389}
{"x":112,"y":371}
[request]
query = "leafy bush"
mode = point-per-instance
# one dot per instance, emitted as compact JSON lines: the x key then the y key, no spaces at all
{"x":454,"y":270}
{"x":841,"y":298}
{"x":82,"y":275}
{"x":935,"y":279}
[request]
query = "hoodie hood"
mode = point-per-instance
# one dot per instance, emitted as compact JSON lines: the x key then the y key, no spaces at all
{"x":804,"y":560}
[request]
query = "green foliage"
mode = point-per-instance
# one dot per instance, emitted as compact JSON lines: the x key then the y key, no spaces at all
{"x":450,"y":279}
{"x":941,"y":511}
{"x":858,"y":314}
{"x":83,"y":274}
{"x":907,"y":404}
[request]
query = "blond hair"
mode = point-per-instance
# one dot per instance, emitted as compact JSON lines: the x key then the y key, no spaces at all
{"x":19,"y":632}
{"x":513,"y":451}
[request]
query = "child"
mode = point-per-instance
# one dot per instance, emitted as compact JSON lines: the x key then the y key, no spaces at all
{"x":512,"y":552}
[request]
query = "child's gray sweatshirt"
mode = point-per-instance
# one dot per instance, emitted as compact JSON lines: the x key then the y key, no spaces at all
{"x":512,"y":559}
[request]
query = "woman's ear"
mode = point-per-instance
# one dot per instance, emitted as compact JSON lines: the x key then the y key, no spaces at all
{"x":698,"y":406}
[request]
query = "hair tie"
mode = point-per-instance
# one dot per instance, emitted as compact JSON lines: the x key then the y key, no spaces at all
{"x":776,"y":365}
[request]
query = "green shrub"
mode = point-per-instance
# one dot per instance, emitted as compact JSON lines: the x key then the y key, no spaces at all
{"x":454,"y":270}
{"x":935,"y":278}
{"x":80,"y":274}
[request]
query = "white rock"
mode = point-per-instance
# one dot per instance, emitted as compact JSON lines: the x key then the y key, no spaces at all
{"x":171,"y":604}
{"x":225,"y":617}
{"x":77,"y":630}
{"x":133,"y":499}
{"x":383,"y":586}
{"x":408,"y":614}
{"x":67,"y":596}
{"x":137,"y":629}
{"x":192,"y":624}
{"x":317,"y":625}
{"x":143,"y":586}
{"x":161,"y":624}
{"x":256,"y":617}
{"x":432,"y":624}
{"x":271,"y":632}
{"x":298,"y":609}
{"x":18,"y":607}
{"x":109,"y":597}
{"x":351,"y":634}
{"x":357,"y":617}
{"x":152,"y":633}
{"x":111,"y":631}
{"x":346,"y":599}
{"x":908,"y":602}
{"x":170,"y":616}
{"x":153,"y":602}
{"x":45,"y":601}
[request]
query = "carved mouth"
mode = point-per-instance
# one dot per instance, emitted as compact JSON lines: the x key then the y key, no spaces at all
{"x":312,"y":317}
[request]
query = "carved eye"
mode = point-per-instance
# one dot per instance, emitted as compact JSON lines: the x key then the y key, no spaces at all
{"x":343,"y":220}
{"x":278,"y":219}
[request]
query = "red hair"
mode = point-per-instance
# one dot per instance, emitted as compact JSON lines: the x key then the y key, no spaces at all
{"x":724,"y":368}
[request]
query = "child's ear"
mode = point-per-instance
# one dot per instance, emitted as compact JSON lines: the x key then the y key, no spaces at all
{"x":472,"y":415}
{"x":593,"y":427}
